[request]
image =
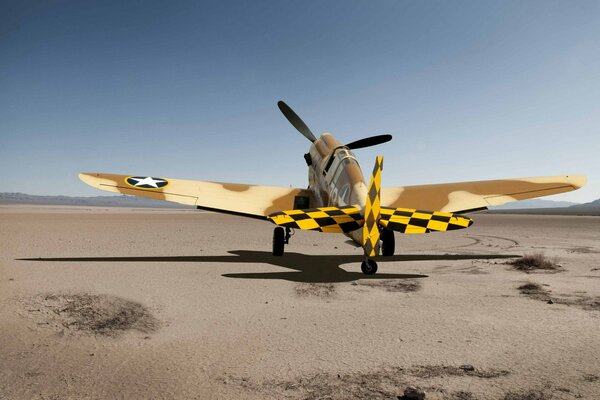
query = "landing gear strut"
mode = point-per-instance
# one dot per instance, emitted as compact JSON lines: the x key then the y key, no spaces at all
{"x":280,"y":239}
{"x":368,"y":267}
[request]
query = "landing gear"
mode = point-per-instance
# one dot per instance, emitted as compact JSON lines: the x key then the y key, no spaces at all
{"x":388,"y":242}
{"x":280,"y":239}
{"x":368,"y":267}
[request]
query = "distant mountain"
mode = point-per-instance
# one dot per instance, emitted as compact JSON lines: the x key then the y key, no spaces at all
{"x":102,"y":201}
{"x":592,"y":205}
{"x":533,"y":203}
{"x":591,"y":208}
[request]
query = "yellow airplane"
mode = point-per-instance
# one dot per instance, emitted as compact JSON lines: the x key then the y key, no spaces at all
{"x":338,"y":198}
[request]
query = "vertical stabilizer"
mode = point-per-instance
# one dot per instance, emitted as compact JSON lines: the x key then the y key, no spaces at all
{"x":370,"y":242}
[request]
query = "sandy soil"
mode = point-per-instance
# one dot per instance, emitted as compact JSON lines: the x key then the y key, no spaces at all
{"x":153,"y":304}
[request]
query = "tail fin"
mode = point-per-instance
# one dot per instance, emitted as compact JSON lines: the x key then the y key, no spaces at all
{"x":370,"y":240}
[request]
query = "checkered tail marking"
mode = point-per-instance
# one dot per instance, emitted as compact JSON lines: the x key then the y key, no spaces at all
{"x":323,"y":219}
{"x":372,"y":206}
{"x":409,"y":221}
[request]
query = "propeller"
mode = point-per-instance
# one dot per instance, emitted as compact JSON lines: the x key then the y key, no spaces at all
{"x":296,"y":121}
{"x":370,"y":141}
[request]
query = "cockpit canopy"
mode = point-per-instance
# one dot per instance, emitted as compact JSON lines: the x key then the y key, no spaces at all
{"x":335,"y":168}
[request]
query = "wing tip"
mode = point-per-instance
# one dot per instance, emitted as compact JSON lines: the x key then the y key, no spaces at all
{"x":577,"y":181}
{"x":89,"y":177}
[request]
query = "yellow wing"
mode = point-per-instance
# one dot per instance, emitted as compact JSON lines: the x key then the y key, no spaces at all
{"x":245,"y":200}
{"x":469,"y":196}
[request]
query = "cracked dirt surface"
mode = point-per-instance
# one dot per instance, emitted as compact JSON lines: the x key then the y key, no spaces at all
{"x":194,"y":306}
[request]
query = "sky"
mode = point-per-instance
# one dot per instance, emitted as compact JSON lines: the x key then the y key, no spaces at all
{"x":470,"y":90}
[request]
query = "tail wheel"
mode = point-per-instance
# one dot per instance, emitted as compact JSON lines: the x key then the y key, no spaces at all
{"x":368,"y":267}
{"x":278,"y":241}
{"x":388,"y":242}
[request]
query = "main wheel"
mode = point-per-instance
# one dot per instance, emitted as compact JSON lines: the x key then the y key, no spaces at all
{"x":368,"y":267}
{"x":278,"y":241}
{"x":388,"y":242}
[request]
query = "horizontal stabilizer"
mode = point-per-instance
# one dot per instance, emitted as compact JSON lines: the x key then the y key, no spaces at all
{"x":409,"y":221}
{"x":323,"y":219}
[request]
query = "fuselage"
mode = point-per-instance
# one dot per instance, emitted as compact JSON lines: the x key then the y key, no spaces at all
{"x":335,"y":177}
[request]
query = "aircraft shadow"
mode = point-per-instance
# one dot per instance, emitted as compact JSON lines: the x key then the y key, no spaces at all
{"x":306,"y":268}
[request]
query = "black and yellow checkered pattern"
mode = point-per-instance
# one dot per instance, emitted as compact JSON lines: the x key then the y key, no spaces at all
{"x":323,"y":219}
{"x":370,"y":232}
{"x":409,"y":221}
{"x":371,"y":219}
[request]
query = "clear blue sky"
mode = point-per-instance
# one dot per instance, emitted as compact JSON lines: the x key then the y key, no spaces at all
{"x":470,"y":90}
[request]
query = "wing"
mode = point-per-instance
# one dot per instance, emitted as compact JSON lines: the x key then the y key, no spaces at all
{"x":245,"y":200}
{"x":323,"y":219}
{"x":470,"y":196}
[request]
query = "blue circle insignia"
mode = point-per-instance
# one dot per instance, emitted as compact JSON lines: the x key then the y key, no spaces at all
{"x":146,"y":182}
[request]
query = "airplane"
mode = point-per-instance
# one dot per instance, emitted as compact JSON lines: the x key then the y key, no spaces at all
{"x":339,"y":200}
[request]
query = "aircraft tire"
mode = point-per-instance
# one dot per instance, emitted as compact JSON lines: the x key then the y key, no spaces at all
{"x":278,"y":241}
{"x":368,"y":267}
{"x":388,"y":242}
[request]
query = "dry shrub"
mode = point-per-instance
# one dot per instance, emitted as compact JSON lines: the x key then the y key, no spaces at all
{"x":535,"y":261}
{"x":432,"y":371}
{"x":394,"y":285}
{"x":537,"y":292}
{"x":375,"y":384}
{"x":534,"y":291}
{"x":97,"y":314}
{"x":590,"y":303}
{"x":531,"y":288}
{"x":323,"y":290}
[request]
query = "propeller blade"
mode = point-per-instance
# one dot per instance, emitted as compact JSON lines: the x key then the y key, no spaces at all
{"x":370,"y":141}
{"x":296,"y":121}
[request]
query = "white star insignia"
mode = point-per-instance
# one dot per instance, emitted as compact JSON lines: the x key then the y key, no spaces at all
{"x":148,"y":181}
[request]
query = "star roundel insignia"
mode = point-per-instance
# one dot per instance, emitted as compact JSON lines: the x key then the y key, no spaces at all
{"x":146,"y":182}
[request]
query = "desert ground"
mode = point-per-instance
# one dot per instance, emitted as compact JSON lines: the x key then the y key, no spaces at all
{"x":117,"y":303}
